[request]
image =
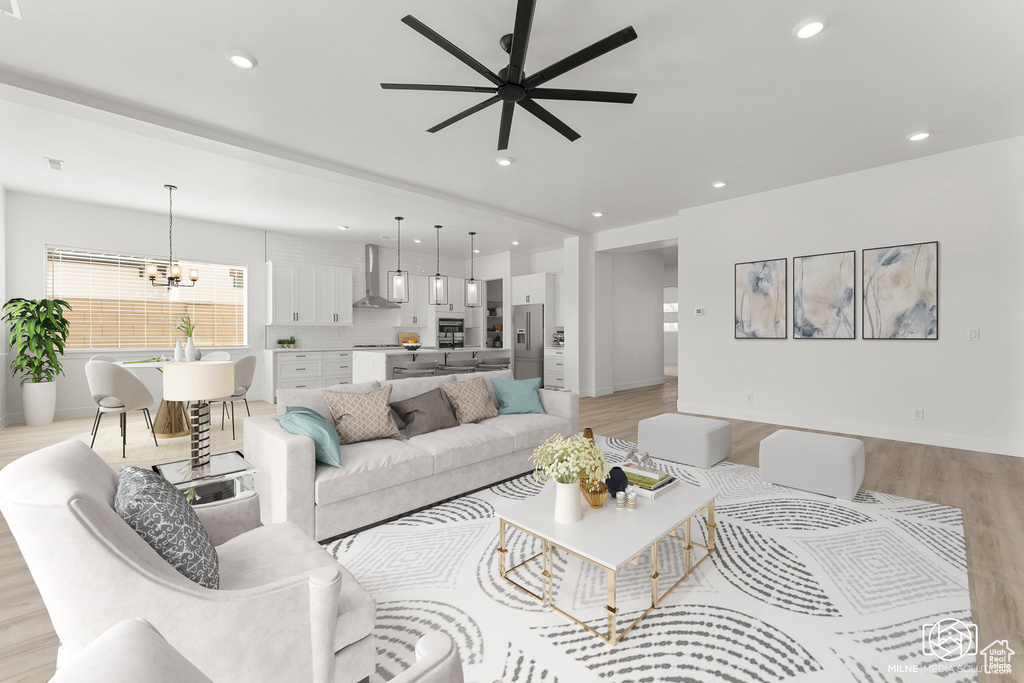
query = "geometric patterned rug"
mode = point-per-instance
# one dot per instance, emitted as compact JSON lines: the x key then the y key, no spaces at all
{"x":801,"y":587}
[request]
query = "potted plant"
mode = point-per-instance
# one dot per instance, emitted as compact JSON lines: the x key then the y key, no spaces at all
{"x":287,"y":343}
{"x":189,"y":329}
{"x":568,"y":461}
{"x":38,"y":333}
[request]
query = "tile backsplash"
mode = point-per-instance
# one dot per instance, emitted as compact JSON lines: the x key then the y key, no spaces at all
{"x":369,"y":326}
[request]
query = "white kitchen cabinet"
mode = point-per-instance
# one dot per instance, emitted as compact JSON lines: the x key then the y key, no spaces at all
{"x":456,"y":295}
{"x":414,"y":311}
{"x":532,"y":289}
{"x":293,"y":293}
{"x":554,"y":368}
{"x":334,"y":296}
{"x":557,"y":302}
{"x":308,"y":369}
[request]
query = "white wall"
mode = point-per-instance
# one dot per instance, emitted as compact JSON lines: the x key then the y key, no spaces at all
{"x":637,"y":320}
{"x":4,"y":372}
{"x":548,"y":261}
{"x":32,"y":222}
{"x":671,"y":275}
{"x":671,"y":338}
{"x":970,"y":201}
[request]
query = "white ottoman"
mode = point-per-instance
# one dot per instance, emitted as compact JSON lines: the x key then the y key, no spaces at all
{"x":831,"y":465}
{"x":690,"y":440}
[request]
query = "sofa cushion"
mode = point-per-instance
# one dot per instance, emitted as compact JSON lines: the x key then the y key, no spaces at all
{"x":517,"y":396}
{"x":470,"y":400}
{"x":529,"y":430}
{"x":362,"y":417}
{"x":402,"y":389}
{"x":308,"y":422}
{"x":279,"y":551}
{"x":425,"y":413}
{"x":463,"y":445}
{"x":487,"y":377}
{"x":370,"y":466}
{"x":159,"y":513}
{"x":314,"y":398}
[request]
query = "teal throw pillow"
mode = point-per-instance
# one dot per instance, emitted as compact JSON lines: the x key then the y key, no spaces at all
{"x":518,"y":396}
{"x":308,"y":422}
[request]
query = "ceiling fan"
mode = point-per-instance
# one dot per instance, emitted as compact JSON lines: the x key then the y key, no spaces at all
{"x":511,"y":85}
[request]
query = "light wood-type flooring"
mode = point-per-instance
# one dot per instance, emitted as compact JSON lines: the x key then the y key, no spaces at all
{"x":989,"y":488}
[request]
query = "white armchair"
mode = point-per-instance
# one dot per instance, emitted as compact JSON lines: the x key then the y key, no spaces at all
{"x":437,"y":661}
{"x":285,"y":610}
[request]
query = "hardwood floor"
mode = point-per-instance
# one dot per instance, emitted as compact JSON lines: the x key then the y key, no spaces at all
{"x":989,"y":488}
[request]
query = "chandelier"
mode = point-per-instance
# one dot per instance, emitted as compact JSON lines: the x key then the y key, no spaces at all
{"x":173,"y":269}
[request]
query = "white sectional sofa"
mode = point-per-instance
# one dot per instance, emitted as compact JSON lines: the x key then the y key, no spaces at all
{"x":387,"y":477}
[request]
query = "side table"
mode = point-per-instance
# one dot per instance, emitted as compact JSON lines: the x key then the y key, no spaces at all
{"x":226,"y":476}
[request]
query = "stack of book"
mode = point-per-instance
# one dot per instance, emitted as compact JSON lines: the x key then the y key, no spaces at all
{"x":648,"y":481}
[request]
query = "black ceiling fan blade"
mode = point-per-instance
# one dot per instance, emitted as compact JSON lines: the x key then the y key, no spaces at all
{"x":582,"y":95}
{"x":585,"y":55}
{"x":505,"y":129}
{"x":520,"y":39}
{"x":449,"y":47}
{"x":443,"y":88}
{"x":463,"y":114}
{"x":549,"y":118}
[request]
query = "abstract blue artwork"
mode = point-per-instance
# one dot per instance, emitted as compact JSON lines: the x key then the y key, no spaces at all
{"x":901,"y":292}
{"x":761,"y":300}
{"x":823,"y":296}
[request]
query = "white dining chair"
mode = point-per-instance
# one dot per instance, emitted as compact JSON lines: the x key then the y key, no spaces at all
{"x":116,"y":390}
{"x":105,"y":356}
{"x":217,"y":355}
{"x":245,"y":370}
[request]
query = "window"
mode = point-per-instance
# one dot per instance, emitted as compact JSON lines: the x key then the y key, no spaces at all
{"x":670,"y":308}
{"x":672,"y":327}
{"x":115,"y":306}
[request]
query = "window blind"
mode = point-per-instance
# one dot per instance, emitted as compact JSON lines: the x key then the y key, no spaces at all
{"x":115,"y":306}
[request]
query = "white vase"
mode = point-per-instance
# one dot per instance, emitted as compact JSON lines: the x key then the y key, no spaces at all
{"x":190,"y":351}
{"x":38,"y":402}
{"x":567,"y":503}
{"x":179,"y":353}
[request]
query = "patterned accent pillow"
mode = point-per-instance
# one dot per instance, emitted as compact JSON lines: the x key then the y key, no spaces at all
{"x":362,"y":417}
{"x":159,"y":513}
{"x":471,"y":400}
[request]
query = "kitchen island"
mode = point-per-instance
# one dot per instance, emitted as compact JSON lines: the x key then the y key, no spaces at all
{"x":379,"y":364}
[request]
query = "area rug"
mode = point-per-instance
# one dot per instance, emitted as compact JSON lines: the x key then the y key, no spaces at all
{"x":140,"y":446}
{"x":801,"y":588}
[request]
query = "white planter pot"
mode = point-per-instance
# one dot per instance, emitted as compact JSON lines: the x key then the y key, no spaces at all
{"x":190,"y":350}
{"x":567,"y":503}
{"x":38,"y":402}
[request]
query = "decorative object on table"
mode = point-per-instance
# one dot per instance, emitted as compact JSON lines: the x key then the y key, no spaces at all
{"x":901,"y":292}
{"x":761,"y":304}
{"x":568,"y":461}
{"x":398,"y":280}
{"x":188,"y":329}
{"x":412,"y":337}
{"x":588,"y":433}
{"x":648,"y":478}
{"x":631,"y":498}
{"x":595,"y":498}
{"x":473,"y":287}
{"x":199,"y":383}
{"x":411,"y":346}
{"x":620,"y":500}
{"x":645,"y":459}
{"x":173,"y":269}
{"x":38,"y":333}
{"x":179,"y":352}
{"x":437,"y":284}
{"x":287,"y":342}
{"x":616,"y":481}
{"x":823,"y":294}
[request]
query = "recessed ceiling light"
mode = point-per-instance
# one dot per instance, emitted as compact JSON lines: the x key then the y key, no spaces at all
{"x":515,"y":244}
{"x":342,"y":227}
{"x":810,"y":27}
{"x":243,"y":60}
{"x":718,"y":185}
{"x":597,"y":214}
{"x":504,"y":161}
{"x":417,"y":241}
{"x":917,"y":136}
{"x":55,"y":164}
{"x":476,"y":251}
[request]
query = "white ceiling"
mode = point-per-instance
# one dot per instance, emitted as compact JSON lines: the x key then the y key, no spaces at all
{"x":133,"y":95}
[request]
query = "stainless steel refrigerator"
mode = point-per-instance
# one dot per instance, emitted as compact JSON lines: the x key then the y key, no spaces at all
{"x":528,"y":349}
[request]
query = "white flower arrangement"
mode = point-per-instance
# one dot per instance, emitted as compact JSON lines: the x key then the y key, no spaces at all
{"x":569,"y":460}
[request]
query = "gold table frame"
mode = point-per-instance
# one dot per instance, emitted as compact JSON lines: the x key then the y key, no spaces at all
{"x":546,"y":554}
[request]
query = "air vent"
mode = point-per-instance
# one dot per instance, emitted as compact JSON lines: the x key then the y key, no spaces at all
{"x":55,"y":164}
{"x":10,"y":7}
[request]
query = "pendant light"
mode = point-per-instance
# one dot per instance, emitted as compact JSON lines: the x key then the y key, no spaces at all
{"x":472,"y":286}
{"x":438,"y":283}
{"x":173,"y":269}
{"x":398,"y":280}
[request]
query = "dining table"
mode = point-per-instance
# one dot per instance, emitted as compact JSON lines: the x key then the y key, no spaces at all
{"x":171,"y":419}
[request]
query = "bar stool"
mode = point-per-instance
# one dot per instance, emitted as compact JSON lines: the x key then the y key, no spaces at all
{"x":493,"y":363}
{"x":459,"y":367}
{"x":419,"y":368}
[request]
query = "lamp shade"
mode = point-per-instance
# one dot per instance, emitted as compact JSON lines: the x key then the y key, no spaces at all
{"x":199,"y":381}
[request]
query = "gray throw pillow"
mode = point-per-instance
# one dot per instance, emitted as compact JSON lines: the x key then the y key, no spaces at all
{"x":159,"y":513}
{"x":425,"y":413}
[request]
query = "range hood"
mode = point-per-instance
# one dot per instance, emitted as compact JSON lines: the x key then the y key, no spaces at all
{"x":373,"y":299}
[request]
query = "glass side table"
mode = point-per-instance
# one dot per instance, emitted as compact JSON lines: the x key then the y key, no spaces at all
{"x":227,"y":475}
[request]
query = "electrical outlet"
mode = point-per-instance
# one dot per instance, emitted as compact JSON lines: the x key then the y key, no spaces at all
{"x":973,"y":334}
{"x":750,"y":398}
{"x":699,"y":310}
{"x":918,"y":413}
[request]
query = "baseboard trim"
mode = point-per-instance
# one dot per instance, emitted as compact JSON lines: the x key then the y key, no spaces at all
{"x":640,"y":383}
{"x":959,"y":441}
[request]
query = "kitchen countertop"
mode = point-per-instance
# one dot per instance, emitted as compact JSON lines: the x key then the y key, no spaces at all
{"x":424,"y":349}
{"x":392,"y":350}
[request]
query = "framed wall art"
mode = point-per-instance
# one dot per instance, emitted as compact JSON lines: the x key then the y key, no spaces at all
{"x":901,"y":292}
{"x":823,"y":296}
{"x":761,"y":303}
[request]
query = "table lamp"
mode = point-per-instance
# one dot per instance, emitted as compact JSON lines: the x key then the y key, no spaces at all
{"x":199,"y":382}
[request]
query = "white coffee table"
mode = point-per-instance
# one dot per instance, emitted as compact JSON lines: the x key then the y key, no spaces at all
{"x":610,"y":539}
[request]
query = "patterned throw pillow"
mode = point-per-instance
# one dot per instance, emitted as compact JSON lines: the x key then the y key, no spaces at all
{"x":362,"y":417}
{"x":159,"y":513}
{"x":471,"y":400}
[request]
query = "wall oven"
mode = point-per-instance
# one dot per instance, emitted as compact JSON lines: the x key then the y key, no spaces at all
{"x":451,"y":333}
